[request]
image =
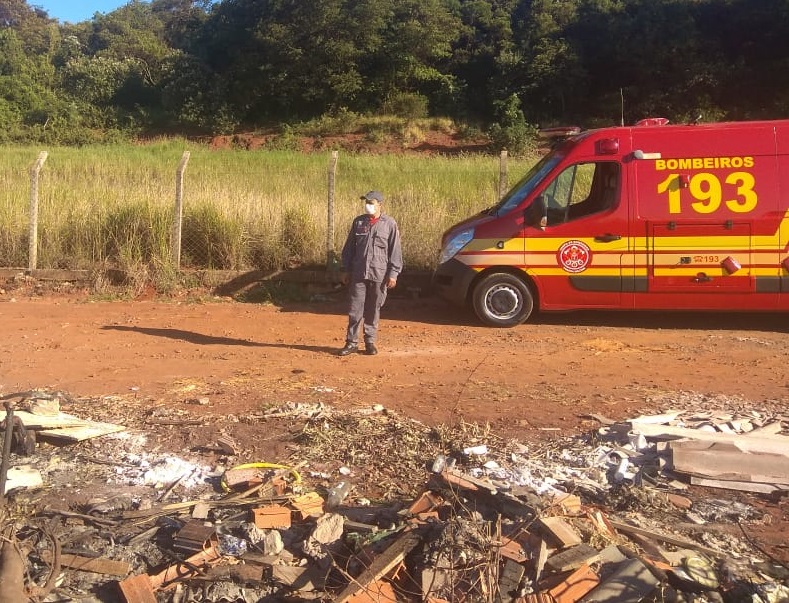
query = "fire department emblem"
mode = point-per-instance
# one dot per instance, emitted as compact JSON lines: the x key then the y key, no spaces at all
{"x":574,"y":256}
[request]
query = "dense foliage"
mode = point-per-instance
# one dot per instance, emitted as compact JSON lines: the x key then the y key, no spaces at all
{"x":197,"y":66}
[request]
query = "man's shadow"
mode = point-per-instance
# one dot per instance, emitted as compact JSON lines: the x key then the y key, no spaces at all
{"x":200,"y":339}
{"x":398,"y":307}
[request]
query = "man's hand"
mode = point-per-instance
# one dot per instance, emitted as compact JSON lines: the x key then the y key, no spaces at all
{"x":391,"y":283}
{"x":345,"y":279}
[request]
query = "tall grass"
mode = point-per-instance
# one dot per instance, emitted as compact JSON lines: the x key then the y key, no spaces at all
{"x":243,"y":209}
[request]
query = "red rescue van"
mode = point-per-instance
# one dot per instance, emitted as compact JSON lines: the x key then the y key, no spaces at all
{"x":647,"y":217}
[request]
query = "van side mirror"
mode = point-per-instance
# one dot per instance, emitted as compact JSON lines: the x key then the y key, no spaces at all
{"x":537,"y":213}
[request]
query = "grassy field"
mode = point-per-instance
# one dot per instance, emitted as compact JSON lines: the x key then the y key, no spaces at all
{"x":114,"y":206}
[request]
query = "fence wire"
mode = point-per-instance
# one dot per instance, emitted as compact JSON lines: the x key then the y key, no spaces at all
{"x":247,"y":211}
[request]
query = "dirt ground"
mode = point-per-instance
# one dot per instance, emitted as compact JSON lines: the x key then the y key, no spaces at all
{"x":430,"y":142}
{"x":436,"y":363}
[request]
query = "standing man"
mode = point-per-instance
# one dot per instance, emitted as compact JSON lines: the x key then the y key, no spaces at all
{"x":372,"y":260}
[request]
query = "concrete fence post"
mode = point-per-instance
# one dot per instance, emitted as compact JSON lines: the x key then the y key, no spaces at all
{"x":331,"y":255}
{"x":503,"y":186}
{"x":179,"y":211}
{"x":32,"y":243}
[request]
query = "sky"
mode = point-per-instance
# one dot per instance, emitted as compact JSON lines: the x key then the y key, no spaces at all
{"x":76,"y":11}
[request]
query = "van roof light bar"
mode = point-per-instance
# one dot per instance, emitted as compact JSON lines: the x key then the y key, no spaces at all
{"x":559,"y":132}
{"x":652,"y":121}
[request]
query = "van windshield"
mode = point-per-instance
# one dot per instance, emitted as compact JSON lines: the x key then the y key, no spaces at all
{"x":527,"y":184}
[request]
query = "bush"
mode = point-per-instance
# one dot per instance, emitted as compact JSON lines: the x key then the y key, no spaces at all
{"x":286,"y":140}
{"x":512,"y":131}
{"x":406,"y":104}
{"x":339,"y":121}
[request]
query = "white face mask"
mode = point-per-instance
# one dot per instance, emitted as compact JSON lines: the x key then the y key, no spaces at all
{"x":369,"y":209}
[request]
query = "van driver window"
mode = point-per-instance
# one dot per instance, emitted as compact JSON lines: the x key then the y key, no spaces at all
{"x":581,"y":190}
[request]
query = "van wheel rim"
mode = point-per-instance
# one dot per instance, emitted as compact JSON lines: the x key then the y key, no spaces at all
{"x":503,"y":302}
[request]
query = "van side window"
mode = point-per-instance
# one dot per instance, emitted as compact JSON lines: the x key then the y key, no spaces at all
{"x":581,"y":190}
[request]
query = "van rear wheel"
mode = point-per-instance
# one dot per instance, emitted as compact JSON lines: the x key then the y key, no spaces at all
{"x":502,"y":300}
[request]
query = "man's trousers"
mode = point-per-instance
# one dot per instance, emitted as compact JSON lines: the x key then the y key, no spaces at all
{"x":366,"y":300}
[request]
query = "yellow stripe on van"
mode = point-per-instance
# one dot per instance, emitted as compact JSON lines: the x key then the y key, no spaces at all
{"x":558,"y":271}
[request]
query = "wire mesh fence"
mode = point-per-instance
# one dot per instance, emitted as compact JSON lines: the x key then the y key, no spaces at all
{"x":171,"y":209}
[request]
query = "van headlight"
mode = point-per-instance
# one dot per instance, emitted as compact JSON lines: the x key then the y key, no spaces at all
{"x":455,"y":244}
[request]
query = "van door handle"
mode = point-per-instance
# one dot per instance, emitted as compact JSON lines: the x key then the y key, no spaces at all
{"x":607,"y":238}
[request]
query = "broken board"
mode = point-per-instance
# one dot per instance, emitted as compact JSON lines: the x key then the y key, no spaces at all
{"x":66,"y":427}
{"x":725,"y":461}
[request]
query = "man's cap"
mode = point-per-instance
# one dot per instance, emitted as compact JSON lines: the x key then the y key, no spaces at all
{"x":373,"y":196}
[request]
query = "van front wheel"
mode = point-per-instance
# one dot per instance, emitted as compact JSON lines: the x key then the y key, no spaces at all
{"x":502,"y":300}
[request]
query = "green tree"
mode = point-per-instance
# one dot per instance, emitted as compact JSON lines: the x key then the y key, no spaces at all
{"x":746,"y":48}
{"x":280,"y":59}
{"x":181,"y":20}
{"x":481,"y":55}
{"x":28,"y":41}
{"x":291,"y":59}
{"x":219,"y":65}
{"x":546,"y":70}
{"x":414,"y":50}
{"x":36,"y":31}
{"x":121,"y":64}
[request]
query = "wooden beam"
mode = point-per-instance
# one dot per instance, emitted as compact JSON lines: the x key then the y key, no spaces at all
{"x":380,"y":566}
{"x":99,"y":565}
{"x":676,"y":541}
